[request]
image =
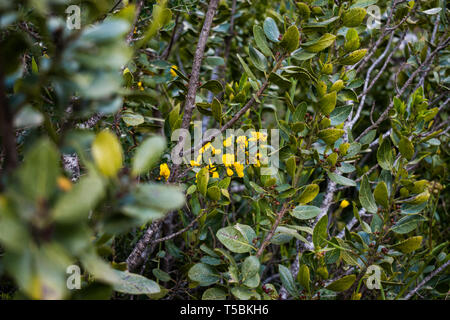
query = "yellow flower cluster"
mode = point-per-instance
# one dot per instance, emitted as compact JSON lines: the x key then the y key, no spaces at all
{"x":164,"y":171}
{"x":140,"y":86}
{"x":232,"y":166}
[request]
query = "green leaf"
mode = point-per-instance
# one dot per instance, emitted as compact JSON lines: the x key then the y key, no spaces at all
{"x":283,"y":235}
{"x":214,"y":86}
{"x":246,"y":68}
{"x":107,"y":153}
{"x":243,"y":293}
{"x":99,"y":268}
{"x":341,"y":179}
{"x":143,"y":213}
{"x":214,"y":294}
{"x":159,"y":196}
{"x":384,"y":155}
{"x":304,"y":277}
{"x":319,"y":44}
{"x":327,"y":103}
{"x":147,"y":154}
{"x":132,"y":119}
{"x":216,"y":108}
{"x":300,"y":112}
{"x":368,"y":138}
{"x":203,"y":274}
{"x":406,"y":148}
{"x":353,"y":57}
{"x":249,"y":268}
{"x":342,"y":284}
{"x":305,"y":212}
{"x":340,"y":114}
{"x":214,"y":193}
{"x":308,"y":194}
{"x":301,"y":54}
{"x":202,"y":180}
{"x":279,"y":80}
{"x":354,"y":17}
{"x":381,"y":194}
{"x":132,"y":283}
{"x":40,"y":169}
{"x":330,"y":135}
{"x":287,"y":280}
{"x":409,"y":245}
{"x":161,"y":275}
{"x":271,"y":30}
{"x":235,"y":240}
{"x":291,"y":39}
{"x":408,"y":223}
{"x":366,"y":197}
{"x":351,"y":40}
{"x":261,"y":41}
{"x":320,"y":232}
{"x":363,"y":3}
{"x":76,"y":204}
{"x":252,"y":282}
{"x":257,"y":58}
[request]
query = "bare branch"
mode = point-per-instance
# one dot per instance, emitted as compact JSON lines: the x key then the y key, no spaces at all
{"x":195,"y":74}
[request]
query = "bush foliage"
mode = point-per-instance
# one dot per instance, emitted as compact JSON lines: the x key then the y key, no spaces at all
{"x":357,"y":91}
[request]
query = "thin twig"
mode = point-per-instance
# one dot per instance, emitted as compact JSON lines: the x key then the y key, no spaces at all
{"x":428,"y":278}
{"x":195,"y":74}
{"x":272,"y":231}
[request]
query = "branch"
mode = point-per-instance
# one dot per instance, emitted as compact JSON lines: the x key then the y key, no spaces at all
{"x":272,"y":231}
{"x":137,"y":257}
{"x":173,"y":235}
{"x":7,"y":131}
{"x":428,"y":278}
{"x":374,"y":48}
{"x":402,"y":90}
{"x":195,"y":74}
{"x":139,"y":6}
{"x":175,"y":35}
{"x":241,"y":112}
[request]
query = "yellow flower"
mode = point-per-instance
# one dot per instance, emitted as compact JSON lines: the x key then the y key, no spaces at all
{"x":256,"y":135}
{"x":228,"y":141}
{"x":228,"y":159}
{"x":164,"y":171}
{"x":196,"y":163}
{"x":172,"y":72}
{"x":344,"y":204}
{"x":230,"y":172}
{"x":64,"y":183}
{"x":215,"y":175}
{"x":135,"y":30}
{"x":140,"y":86}
{"x":242,"y":141}
{"x":239,"y":169}
{"x":210,"y":146}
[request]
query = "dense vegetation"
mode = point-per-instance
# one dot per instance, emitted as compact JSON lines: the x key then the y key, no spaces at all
{"x":349,"y":96}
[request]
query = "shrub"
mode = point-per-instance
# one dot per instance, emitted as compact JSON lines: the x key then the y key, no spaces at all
{"x":330,"y":186}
